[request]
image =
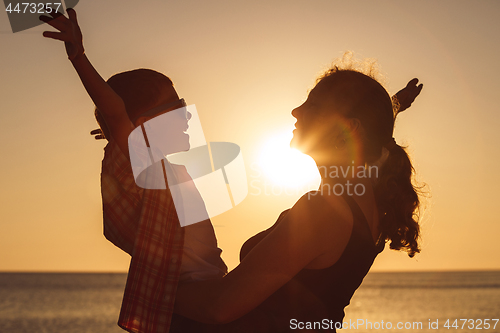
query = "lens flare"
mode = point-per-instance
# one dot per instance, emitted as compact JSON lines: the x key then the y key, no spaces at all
{"x":286,"y":166}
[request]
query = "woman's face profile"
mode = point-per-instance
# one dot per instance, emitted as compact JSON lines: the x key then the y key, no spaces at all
{"x":317,"y":123}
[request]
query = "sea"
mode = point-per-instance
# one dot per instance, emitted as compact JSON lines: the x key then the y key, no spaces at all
{"x":399,"y":302}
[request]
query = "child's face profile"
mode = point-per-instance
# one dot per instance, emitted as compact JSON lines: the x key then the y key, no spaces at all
{"x":166,"y":123}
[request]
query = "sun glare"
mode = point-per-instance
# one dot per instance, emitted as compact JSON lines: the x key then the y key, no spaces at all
{"x":286,"y":166}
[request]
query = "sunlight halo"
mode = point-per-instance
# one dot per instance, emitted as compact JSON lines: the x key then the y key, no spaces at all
{"x":286,"y":166}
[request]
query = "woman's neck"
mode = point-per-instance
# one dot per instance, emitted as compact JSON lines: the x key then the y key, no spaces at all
{"x":344,"y":178}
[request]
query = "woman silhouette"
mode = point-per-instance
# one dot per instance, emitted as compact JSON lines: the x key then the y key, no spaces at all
{"x":303,"y":271}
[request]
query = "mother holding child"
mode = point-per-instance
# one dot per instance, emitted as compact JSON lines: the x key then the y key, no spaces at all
{"x":301,"y":272}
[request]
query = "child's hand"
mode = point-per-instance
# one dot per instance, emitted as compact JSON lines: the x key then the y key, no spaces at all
{"x":98,"y":135}
{"x":70,"y":32}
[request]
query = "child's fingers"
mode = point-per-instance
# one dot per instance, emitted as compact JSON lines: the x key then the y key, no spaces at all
{"x":72,"y":15}
{"x":58,"y":17}
{"x":56,"y":35}
{"x":54,"y":22}
{"x":98,"y":135}
{"x":44,"y":18}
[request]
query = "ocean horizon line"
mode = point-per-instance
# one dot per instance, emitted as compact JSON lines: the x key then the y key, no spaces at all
{"x":371,"y":272}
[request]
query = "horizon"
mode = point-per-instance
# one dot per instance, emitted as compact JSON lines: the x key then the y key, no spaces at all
{"x":371,"y":271}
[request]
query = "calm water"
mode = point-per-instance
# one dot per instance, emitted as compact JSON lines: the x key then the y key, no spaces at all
{"x":78,"y":303}
{"x":417,"y":297}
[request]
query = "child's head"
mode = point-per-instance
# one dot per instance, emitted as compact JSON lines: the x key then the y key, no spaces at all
{"x":141,"y":89}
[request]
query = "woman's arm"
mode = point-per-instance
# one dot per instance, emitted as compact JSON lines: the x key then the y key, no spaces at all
{"x":104,"y":97}
{"x":407,"y":95}
{"x":306,"y":233}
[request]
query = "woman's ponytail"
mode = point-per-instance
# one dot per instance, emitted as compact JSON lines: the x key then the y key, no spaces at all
{"x":398,"y":202}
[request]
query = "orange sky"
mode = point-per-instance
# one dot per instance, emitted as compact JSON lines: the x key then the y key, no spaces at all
{"x":246,"y":66}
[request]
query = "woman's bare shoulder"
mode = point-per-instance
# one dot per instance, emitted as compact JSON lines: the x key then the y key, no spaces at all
{"x":321,"y":218}
{"x":328,"y":222}
{"x":319,"y":209}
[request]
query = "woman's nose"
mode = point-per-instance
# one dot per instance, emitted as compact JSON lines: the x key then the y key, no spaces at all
{"x":296,"y":111}
{"x":188,"y":115}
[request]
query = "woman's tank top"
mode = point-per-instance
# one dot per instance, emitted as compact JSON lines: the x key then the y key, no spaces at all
{"x":318,"y":294}
{"x":313,"y":295}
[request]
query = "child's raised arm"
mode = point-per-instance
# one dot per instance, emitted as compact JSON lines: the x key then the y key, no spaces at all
{"x":105,"y":98}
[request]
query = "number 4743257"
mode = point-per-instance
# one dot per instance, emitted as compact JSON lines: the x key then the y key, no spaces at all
{"x":31,"y":7}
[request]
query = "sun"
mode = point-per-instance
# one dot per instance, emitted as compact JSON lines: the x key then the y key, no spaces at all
{"x":286,"y":166}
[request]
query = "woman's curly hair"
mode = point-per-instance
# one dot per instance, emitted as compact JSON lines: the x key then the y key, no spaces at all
{"x":396,"y":195}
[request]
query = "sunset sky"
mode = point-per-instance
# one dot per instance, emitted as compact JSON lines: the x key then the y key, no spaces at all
{"x":246,"y":65}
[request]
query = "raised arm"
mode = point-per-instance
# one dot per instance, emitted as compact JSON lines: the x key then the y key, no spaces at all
{"x":104,"y":97}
